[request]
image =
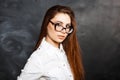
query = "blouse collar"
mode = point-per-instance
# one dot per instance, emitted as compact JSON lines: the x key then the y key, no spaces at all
{"x":48,"y":45}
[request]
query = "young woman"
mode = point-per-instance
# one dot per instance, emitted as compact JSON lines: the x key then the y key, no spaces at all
{"x":57,"y":55}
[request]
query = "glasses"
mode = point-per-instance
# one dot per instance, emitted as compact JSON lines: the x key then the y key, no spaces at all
{"x":59,"y":27}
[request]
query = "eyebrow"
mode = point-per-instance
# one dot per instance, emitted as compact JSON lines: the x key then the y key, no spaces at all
{"x":62,"y":22}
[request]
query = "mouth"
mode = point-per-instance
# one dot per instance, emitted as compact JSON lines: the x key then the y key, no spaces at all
{"x":61,"y":37}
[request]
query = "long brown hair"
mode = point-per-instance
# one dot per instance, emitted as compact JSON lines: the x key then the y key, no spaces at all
{"x":70,"y":44}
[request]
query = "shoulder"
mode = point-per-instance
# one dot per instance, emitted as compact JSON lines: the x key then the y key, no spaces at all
{"x":39,"y":56}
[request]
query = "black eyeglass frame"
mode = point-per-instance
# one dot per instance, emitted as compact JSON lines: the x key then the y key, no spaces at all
{"x":55,"y":24}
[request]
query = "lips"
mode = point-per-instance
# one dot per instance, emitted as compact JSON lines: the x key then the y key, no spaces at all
{"x":61,"y":36}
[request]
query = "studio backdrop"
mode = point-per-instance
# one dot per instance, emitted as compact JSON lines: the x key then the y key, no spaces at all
{"x":98,"y":31}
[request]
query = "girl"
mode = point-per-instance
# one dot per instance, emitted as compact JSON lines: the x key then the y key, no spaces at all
{"x":57,"y":55}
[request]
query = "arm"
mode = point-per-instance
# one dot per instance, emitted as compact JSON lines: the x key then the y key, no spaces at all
{"x":32,"y":69}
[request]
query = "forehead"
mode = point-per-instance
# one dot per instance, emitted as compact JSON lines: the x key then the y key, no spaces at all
{"x":63,"y":17}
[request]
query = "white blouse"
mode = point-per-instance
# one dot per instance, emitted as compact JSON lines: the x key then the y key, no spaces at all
{"x":47,"y":63}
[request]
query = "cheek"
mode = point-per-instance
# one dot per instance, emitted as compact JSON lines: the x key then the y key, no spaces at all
{"x":50,"y":30}
{"x":66,"y":35}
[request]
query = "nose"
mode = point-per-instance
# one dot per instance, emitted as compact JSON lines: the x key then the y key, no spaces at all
{"x":63,"y":30}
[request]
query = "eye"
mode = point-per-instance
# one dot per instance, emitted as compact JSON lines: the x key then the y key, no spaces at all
{"x":68,"y":26}
{"x":57,"y":24}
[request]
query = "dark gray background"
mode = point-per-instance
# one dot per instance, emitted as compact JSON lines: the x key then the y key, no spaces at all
{"x":98,"y":32}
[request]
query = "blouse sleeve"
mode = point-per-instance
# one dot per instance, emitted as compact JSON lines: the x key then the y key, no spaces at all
{"x":32,"y":69}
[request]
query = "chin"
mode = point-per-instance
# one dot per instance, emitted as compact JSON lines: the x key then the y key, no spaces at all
{"x":60,"y":41}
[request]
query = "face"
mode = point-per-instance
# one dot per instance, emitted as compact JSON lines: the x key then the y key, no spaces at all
{"x":55,"y":37}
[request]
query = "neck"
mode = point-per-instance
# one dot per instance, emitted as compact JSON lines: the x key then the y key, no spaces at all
{"x":52,"y":42}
